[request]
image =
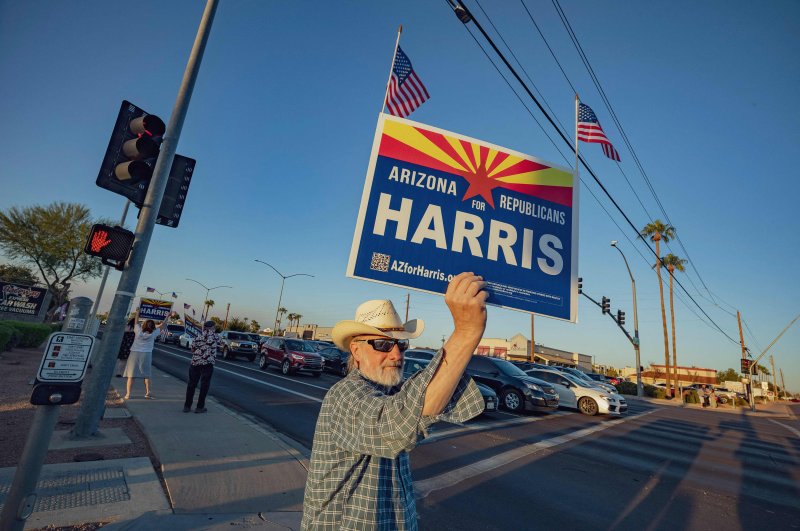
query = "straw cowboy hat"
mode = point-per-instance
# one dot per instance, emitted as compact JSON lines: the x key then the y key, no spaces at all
{"x":379,"y":318}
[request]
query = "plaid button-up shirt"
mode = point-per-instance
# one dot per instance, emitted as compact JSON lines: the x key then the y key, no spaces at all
{"x":360,"y":476}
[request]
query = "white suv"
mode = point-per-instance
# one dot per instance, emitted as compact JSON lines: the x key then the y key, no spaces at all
{"x":576,"y":393}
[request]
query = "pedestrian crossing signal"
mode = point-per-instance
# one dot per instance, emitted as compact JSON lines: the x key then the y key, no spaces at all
{"x":745,"y":366}
{"x":111,"y":244}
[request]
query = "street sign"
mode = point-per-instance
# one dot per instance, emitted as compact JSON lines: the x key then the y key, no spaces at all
{"x":65,"y":358}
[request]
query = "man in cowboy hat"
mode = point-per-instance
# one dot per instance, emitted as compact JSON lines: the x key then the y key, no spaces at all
{"x":360,"y":476}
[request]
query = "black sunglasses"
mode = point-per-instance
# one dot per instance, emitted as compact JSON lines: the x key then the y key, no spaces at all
{"x":385,"y":345}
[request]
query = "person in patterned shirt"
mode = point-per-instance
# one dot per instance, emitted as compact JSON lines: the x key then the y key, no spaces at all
{"x":201,"y":368}
{"x":359,"y":475}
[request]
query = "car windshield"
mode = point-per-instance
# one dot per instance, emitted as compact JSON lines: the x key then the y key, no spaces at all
{"x":299,"y":346}
{"x":579,"y":375}
{"x":574,"y":380}
{"x":238,"y":337}
{"x":508,"y":368}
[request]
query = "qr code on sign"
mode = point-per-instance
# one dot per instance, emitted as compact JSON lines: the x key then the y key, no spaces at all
{"x":380,"y":262}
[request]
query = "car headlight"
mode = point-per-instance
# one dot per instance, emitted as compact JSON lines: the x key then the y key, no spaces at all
{"x":297,"y":357}
{"x":533,"y":386}
{"x":606,"y":397}
{"x":234,"y":344}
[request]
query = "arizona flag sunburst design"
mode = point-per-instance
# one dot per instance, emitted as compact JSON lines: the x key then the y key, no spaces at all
{"x":484,"y":167}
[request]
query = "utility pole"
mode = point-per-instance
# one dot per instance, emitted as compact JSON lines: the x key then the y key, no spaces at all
{"x":783,"y":385}
{"x":227,"y":313}
{"x":774,"y":385}
{"x":533,"y":343}
{"x":93,"y":404}
{"x":408,"y":301}
{"x":748,"y":388}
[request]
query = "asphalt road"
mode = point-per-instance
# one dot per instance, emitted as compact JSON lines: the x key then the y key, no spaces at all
{"x":654,"y":468}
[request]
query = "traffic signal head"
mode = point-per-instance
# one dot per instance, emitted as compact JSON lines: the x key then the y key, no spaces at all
{"x":620,"y":317}
{"x":132,"y":152}
{"x":745,"y":366}
{"x":580,"y":285}
{"x":111,"y":244}
{"x":605,"y":304}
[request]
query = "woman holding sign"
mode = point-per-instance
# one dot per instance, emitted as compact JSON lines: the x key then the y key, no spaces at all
{"x":141,"y":356}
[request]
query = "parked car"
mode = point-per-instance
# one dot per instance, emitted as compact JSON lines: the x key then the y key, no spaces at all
{"x":613,"y":380}
{"x":517,"y":390}
{"x":319,"y":346}
{"x":423,"y":354}
{"x":171,"y":333}
{"x":575,"y":373}
{"x":490,"y":400}
{"x":255,"y":338}
{"x":528,"y":365}
{"x":577,"y":393}
{"x":185,"y":340}
{"x":335,"y":360}
{"x":237,"y":344}
{"x":290,"y":355}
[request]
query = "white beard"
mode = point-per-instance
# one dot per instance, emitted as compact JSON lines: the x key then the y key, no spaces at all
{"x":389,"y":376}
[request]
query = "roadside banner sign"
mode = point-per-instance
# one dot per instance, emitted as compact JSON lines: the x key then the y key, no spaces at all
{"x":65,"y":357}
{"x":154,"y":309}
{"x":436,"y":203}
{"x":21,"y":299}
{"x":193,"y":326}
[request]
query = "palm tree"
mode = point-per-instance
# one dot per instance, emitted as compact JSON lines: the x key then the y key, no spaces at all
{"x":290,"y":317}
{"x":672,"y":262}
{"x":297,"y":317}
{"x":657,"y":231}
{"x":281,"y":311}
{"x":208,"y":304}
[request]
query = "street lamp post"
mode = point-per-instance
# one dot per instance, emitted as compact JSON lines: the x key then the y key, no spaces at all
{"x":280,"y":296}
{"x":639,"y":390}
{"x":205,"y":308}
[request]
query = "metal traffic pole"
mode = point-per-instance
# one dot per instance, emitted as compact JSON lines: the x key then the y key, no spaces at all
{"x":21,"y":499}
{"x":94,"y":402}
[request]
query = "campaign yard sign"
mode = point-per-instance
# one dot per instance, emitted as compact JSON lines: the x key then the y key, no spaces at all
{"x":154,"y":309}
{"x":436,"y":203}
{"x":193,"y":326}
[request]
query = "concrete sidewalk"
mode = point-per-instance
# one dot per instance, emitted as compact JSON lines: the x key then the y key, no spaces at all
{"x":770,"y":410}
{"x":218,"y":469}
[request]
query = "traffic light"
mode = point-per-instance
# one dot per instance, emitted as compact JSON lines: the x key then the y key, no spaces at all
{"x":580,"y":285}
{"x":131,"y":154}
{"x":745,"y":366}
{"x":605,"y":304}
{"x":180,"y":176}
{"x":620,"y":317}
{"x":111,"y":244}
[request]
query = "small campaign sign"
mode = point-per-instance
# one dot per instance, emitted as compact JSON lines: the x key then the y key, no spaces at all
{"x":65,"y":357}
{"x":193,"y":326}
{"x":154,"y":309}
{"x":436,"y":203}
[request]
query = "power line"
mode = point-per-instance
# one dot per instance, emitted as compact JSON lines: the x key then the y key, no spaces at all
{"x":566,"y":141}
{"x":606,"y":100}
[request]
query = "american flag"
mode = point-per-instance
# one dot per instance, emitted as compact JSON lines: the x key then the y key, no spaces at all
{"x":151,"y":290}
{"x":186,"y":306}
{"x":589,"y":130}
{"x":406,"y":91}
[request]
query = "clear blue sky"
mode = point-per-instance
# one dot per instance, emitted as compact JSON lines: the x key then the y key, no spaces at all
{"x":284,"y":111}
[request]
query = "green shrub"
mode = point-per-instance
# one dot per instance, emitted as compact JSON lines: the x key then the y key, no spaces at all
{"x":655,"y":392}
{"x":31,"y":335}
{"x":691,"y":397}
{"x":55,"y":327}
{"x":626,"y":388}
{"x":6,"y":332}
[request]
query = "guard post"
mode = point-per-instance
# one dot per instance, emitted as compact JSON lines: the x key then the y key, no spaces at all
{"x":58,"y":382}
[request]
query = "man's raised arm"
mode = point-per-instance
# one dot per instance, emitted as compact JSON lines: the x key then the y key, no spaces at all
{"x":466,"y":299}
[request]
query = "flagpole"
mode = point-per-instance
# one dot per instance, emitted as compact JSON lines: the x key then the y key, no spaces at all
{"x":577,"y":101}
{"x":391,"y":68}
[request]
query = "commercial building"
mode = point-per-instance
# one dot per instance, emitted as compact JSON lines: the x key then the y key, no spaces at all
{"x":686,"y":375}
{"x":518,"y":347}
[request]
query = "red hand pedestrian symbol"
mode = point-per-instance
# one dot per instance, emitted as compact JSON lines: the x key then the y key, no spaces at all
{"x":99,"y":240}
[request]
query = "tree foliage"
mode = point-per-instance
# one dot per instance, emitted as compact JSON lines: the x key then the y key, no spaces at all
{"x":728,"y":375}
{"x":51,"y":238}
{"x":18,"y":274}
{"x":237,"y":324}
{"x":254,"y":326}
